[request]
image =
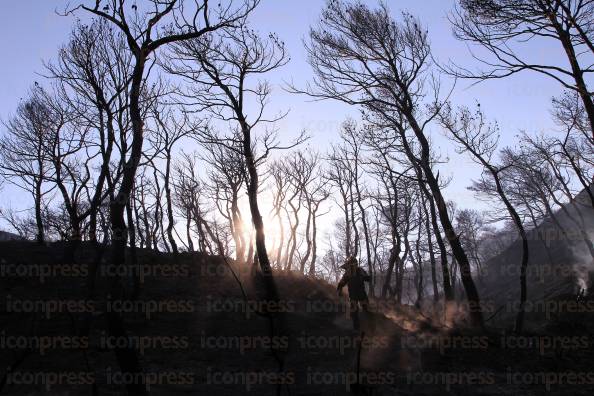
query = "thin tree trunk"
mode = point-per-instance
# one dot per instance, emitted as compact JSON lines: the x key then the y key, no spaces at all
{"x":347,"y":224}
{"x":293,"y":238}
{"x":137,"y":218}
{"x":314,"y":244}
{"x":307,"y":239}
{"x":525,"y":254}
{"x":431,"y":252}
{"x":40,"y":237}
{"x":400,"y":274}
{"x":237,"y":230}
{"x":189,"y":231}
{"x":367,"y":241}
{"x":445,"y":272}
{"x":281,"y":238}
{"x":133,"y":252}
{"x":354,"y":223}
{"x":419,"y":261}
{"x":393,"y":259}
{"x":170,"y":221}
{"x":271,"y":290}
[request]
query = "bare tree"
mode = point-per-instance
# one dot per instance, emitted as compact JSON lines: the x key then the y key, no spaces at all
{"x":534,"y":167}
{"x":354,"y":143}
{"x":417,"y":259}
{"x":426,"y":218}
{"x":363,"y":57}
{"x":298,"y":173}
{"x":220,"y":68}
{"x":339,"y":176}
{"x":303,"y":174}
{"x":226,"y":181}
{"x":171,"y":127}
{"x":394,"y":201}
{"x":504,"y":27}
{"x":280,"y":192}
{"x":24,"y":226}
{"x":470,"y":224}
{"x":479,"y":138}
{"x":70,"y":155}
{"x":92,"y":76}
{"x":189,"y":193}
{"x":23,"y":155}
{"x":318,"y":193}
{"x":146,"y":30}
{"x":576,"y":149}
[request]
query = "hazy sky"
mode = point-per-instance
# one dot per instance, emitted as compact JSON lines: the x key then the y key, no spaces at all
{"x":30,"y":32}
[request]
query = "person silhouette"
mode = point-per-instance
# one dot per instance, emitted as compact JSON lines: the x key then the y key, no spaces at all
{"x":354,"y":278}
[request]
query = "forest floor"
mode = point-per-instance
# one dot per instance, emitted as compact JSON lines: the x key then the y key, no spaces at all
{"x":196,"y":333}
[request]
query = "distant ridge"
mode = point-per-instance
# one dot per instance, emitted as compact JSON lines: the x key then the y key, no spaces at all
{"x":560,"y":263}
{"x":9,"y":236}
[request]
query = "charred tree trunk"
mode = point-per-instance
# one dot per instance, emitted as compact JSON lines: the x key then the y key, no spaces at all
{"x":401,"y":266}
{"x":170,"y":221}
{"x":445,"y":272}
{"x":40,"y":236}
{"x":432,"y":181}
{"x":237,"y":230}
{"x":106,"y":152}
{"x":314,"y":243}
{"x":189,"y":231}
{"x":252,"y":183}
{"x":431,"y":252}
{"x":133,"y":252}
{"x":354,"y":223}
{"x":525,"y":253}
{"x":137,"y":220}
{"x":307,"y":239}
{"x":419,"y":261}
{"x":367,"y":239}
{"x":281,"y":240}
{"x":392,"y":262}
{"x":293,"y":237}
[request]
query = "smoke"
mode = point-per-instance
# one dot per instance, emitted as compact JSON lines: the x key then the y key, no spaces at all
{"x":582,"y":267}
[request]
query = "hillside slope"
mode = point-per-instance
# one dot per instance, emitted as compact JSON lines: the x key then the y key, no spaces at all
{"x":559,"y":267}
{"x":196,"y":333}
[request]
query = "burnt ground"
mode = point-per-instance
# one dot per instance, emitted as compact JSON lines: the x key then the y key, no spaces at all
{"x":195,"y":332}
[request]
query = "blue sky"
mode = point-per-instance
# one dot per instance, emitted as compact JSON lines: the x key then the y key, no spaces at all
{"x":31,"y":32}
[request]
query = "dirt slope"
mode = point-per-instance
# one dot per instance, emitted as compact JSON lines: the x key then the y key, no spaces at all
{"x":197,"y":333}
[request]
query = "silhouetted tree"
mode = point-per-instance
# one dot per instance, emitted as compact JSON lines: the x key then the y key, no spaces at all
{"x":219,"y":68}
{"x":504,"y":27}
{"x":91,"y":74}
{"x":23,"y":156}
{"x":146,"y":30}
{"x":363,"y":57}
{"x":479,"y":138}
{"x":226,"y":181}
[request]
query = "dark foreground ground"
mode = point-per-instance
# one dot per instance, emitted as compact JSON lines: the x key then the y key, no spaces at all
{"x":197,"y":333}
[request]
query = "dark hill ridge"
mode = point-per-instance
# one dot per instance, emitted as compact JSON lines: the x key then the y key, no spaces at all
{"x":192,"y":324}
{"x":9,"y":236}
{"x":192,"y":315}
